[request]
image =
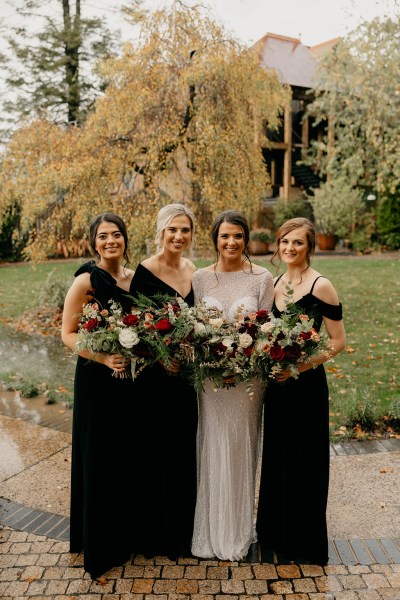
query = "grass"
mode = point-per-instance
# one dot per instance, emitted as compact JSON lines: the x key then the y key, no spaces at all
{"x":363,"y":380}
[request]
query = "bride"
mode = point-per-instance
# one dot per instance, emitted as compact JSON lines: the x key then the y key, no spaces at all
{"x":228,"y":437}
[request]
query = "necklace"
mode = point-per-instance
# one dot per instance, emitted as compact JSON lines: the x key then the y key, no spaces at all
{"x":290,"y":282}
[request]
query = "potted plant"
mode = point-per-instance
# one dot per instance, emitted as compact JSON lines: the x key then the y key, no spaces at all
{"x":336,"y":205}
{"x":259,"y":241}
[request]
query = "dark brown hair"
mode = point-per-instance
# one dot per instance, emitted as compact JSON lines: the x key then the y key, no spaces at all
{"x":234,"y":218}
{"x":107,"y":217}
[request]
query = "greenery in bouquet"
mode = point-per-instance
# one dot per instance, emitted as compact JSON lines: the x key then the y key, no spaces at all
{"x":167,"y":325}
{"x":283,"y":342}
{"x":112,"y":331}
{"x":216,"y":350}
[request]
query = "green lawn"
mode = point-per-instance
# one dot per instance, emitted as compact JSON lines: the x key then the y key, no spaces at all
{"x":366,"y":373}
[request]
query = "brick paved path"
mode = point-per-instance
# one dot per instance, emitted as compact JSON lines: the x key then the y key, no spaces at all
{"x":41,"y":568}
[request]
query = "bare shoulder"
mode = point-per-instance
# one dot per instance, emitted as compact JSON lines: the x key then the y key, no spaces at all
{"x":257,"y":270}
{"x":81,"y":283}
{"x":325,"y":291}
{"x":150,"y":263}
{"x":189,"y":265}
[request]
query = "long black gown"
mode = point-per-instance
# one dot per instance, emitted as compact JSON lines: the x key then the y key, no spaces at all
{"x":166,"y":469}
{"x":102,"y":507}
{"x":295,"y":463}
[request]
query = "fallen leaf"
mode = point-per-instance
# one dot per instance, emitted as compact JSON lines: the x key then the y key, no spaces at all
{"x":386,"y":470}
{"x":102,"y":581}
{"x":31,"y":578}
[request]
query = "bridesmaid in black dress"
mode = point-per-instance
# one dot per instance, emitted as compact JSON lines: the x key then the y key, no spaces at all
{"x":295,"y":464}
{"x":102,"y":507}
{"x":166,"y":465}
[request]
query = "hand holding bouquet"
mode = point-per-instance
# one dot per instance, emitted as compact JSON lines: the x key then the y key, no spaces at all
{"x":111,"y":331}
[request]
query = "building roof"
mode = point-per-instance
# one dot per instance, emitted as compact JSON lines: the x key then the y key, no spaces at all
{"x":295,"y":63}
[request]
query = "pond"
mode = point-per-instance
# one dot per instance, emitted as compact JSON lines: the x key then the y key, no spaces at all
{"x":36,"y":359}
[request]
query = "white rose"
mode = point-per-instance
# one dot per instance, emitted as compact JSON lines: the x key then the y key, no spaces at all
{"x":216,"y":322}
{"x":227,"y":342}
{"x":128,"y":338}
{"x":199,"y":327}
{"x":265,"y":327}
{"x":245,"y":340}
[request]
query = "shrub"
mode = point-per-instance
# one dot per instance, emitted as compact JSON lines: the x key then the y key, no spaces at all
{"x":388,"y":220}
{"x":363,"y":411}
{"x":283,"y":211}
{"x":53,"y":291}
{"x":28,"y":390}
{"x":394,"y":412}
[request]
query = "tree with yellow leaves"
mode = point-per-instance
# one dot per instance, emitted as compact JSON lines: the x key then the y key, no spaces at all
{"x":183,"y":119}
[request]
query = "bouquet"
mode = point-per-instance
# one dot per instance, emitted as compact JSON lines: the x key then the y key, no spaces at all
{"x":112,"y":331}
{"x":281,"y":343}
{"x":215,"y":349}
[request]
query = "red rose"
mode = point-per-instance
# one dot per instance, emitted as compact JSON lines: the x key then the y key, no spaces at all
{"x":248,"y":351}
{"x":90,"y":325}
{"x":277,"y":352}
{"x":130,"y":320}
{"x":163,"y":325}
{"x":305,"y":335}
{"x":261,"y":314}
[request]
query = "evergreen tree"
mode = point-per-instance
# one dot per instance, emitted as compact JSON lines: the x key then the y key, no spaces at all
{"x":50,"y":64}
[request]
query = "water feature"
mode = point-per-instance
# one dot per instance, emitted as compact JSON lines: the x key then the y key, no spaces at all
{"x":35,"y":359}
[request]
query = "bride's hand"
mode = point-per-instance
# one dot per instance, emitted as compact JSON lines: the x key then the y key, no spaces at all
{"x":174,"y":366}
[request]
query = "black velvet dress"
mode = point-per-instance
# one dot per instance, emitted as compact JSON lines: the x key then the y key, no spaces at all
{"x":166,"y":469}
{"x":295,"y":463}
{"x":103,"y":437}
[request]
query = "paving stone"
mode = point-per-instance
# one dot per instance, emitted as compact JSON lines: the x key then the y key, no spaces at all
{"x":164,"y":586}
{"x":385,"y":569}
{"x":134,"y":571}
{"x":196,"y":572}
{"x":173,"y":572}
{"x":152,"y":571}
{"x":304,"y":585}
{"x":8,"y":560}
{"x":359,"y":569}
{"x":123,"y":586}
{"x":141,"y":560}
{"x":242,"y":572}
{"x":319,"y":596}
{"x":101,"y":586}
{"x":232,"y":586}
{"x":389,"y":593}
{"x":375,"y":580}
{"x":265,"y":571}
{"x":9,"y":574}
{"x":281,"y":587}
{"x":80,"y":586}
{"x":201,"y":597}
{"x":16,"y":588}
{"x":36,"y":588}
{"x":346,"y":595}
{"x":329,"y":583}
{"x":288,"y":571}
{"x":210,"y":586}
{"x":19,"y":547}
{"x":311,"y":570}
{"x":143,"y":586}
{"x":368,"y":595}
{"x":299,"y":597}
{"x":271,"y":597}
{"x":256,"y":586}
{"x":352,"y":582}
{"x":394,"y":580}
{"x":217,"y":572}
{"x":335,"y":570}
{"x":187,"y":586}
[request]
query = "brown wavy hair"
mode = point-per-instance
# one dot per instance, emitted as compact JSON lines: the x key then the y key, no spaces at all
{"x":289,"y":226}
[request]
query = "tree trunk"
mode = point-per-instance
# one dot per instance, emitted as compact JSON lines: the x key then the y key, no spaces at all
{"x":72,"y":45}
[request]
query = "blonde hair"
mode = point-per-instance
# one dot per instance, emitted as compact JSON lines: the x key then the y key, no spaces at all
{"x":164,"y":218}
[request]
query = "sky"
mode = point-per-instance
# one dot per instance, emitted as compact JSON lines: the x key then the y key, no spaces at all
{"x":313,"y":21}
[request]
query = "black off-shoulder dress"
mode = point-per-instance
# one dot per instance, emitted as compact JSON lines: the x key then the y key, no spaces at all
{"x":103,"y":508}
{"x":295,"y":463}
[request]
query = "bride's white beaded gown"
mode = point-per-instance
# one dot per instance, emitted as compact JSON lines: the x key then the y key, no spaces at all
{"x":228,"y":439}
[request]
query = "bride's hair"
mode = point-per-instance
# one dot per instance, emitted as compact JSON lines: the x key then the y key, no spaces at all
{"x":165,"y":216}
{"x":107,"y":217}
{"x":234,"y":218}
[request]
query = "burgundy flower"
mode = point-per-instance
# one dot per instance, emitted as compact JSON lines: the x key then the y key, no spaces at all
{"x":90,"y":325}
{"x":130,"y":320}
{"x":293,"y":352}
{"x":248,"y":351}
{"x":163,"y":325}
{"x":261,"y":314}
{"x":90,"y":293}
{"x":277,"y":352}
{"x":305,"y":335}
